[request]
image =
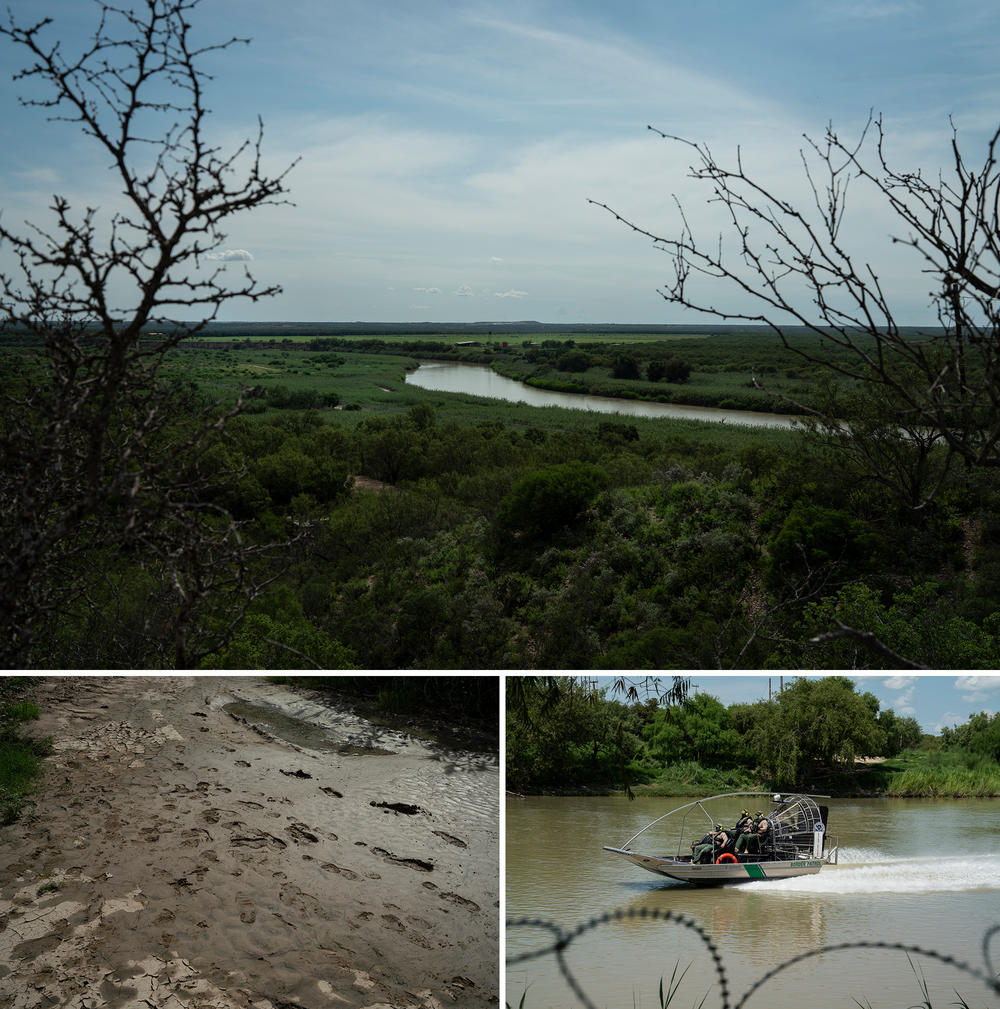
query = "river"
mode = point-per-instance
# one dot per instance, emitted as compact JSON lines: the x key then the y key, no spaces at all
{"x":919,"y":872}
{"x":481,"y":380}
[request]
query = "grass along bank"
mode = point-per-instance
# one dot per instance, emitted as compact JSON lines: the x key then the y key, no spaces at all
{"x":956,"y":774}
{"x":20,"y":755}
{"x":914,"y":774}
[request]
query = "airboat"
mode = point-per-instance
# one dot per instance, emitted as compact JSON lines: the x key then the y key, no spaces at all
{"x":792,"y":841}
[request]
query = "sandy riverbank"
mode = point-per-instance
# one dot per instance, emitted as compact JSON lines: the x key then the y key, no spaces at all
{"x":178,"y":857}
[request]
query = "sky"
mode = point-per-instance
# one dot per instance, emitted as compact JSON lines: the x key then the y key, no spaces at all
{"x":934,"y":700}
{"x":447,"y":150}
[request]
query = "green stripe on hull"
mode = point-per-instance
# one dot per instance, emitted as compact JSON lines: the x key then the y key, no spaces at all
{"x":754,"y":871}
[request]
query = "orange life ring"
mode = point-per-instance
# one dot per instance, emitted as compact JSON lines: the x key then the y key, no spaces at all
{"x":725,"y":857}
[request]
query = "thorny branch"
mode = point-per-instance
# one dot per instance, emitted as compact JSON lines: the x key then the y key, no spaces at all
{"x":794,"y":270}
{"x":98,"y":461}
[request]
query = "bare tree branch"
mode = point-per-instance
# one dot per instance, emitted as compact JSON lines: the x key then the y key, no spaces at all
{"x":100,"y":450}
{"x":793,"y":267}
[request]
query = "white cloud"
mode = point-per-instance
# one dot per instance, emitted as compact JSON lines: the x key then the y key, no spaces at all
{"x":40,"y":176}
{"x":231,"y":256}
{"x":465,"y":291}
{"x":510,"y":294}
{"x":427,"y":290}
{"x":899,"y":682}
{"x":903,"y":705}
{"x":947,"y":720}
{"x":977,"y":688}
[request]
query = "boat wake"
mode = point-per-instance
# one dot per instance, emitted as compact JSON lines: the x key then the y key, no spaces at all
{"x":867,"y":870}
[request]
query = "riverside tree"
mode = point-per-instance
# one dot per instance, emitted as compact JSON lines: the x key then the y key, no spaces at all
{"x":102,"y":457}
{"x":813,"y":725}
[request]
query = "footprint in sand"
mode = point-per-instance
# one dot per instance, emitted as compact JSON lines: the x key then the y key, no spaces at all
{"x":457,"y":841}
{"x":346,"y":873}
{"x":195,"y":836}
{"x":454,"y":898}
{"x":412,"y":863}
{"x":242,"y":763}
{"x":300,"y":832}
{"x":211,"y":815}
{"x":406,"y":808}
{"x":259,"y":840}
{"x":391,"y":922}
{"x":248,"y":911}
{"x":333,"y":792}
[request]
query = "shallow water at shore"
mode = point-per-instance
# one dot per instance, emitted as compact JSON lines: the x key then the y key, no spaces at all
{"x":298,"y":731}
{"x":180,"y":853}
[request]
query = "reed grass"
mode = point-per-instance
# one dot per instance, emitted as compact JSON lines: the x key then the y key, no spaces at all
{"x":666,"y":996}
{"x":20,"y":756}
{"x":979,"y":782}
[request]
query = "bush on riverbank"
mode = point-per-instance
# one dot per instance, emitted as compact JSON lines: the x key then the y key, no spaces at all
{"x":20,"y":756}
{"x":690,"y":778}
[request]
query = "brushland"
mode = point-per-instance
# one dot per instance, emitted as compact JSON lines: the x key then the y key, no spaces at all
{"x":395,"y":527}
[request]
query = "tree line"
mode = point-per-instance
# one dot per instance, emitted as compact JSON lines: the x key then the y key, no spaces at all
{"x":564,"y":734}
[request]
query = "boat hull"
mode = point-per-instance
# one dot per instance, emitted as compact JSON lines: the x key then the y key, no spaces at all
{"x":716,"y":873}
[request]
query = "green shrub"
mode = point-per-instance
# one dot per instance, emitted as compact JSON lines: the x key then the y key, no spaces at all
{"x":546,"y":500}
{"x":812,"y":537}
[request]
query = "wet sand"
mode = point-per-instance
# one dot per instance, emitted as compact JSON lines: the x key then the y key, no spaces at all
{"x":180,"y":856}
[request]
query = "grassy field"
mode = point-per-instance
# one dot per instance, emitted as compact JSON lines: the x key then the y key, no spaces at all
{"x":731,"y":370}
{"x":374,"y":383}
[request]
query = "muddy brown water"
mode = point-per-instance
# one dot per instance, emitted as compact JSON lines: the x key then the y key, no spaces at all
{"x":917,"y":872}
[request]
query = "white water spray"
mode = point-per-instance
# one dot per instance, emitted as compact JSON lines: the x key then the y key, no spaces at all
{"x":867,"y":870}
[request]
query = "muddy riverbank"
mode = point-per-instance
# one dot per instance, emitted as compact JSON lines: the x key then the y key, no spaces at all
{"x":184,"y":850}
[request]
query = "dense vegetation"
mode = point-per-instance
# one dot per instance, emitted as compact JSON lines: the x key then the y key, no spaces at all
{"x":563,"y":735}
{"x":20,"y":753}
{"x":411,"y":529}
